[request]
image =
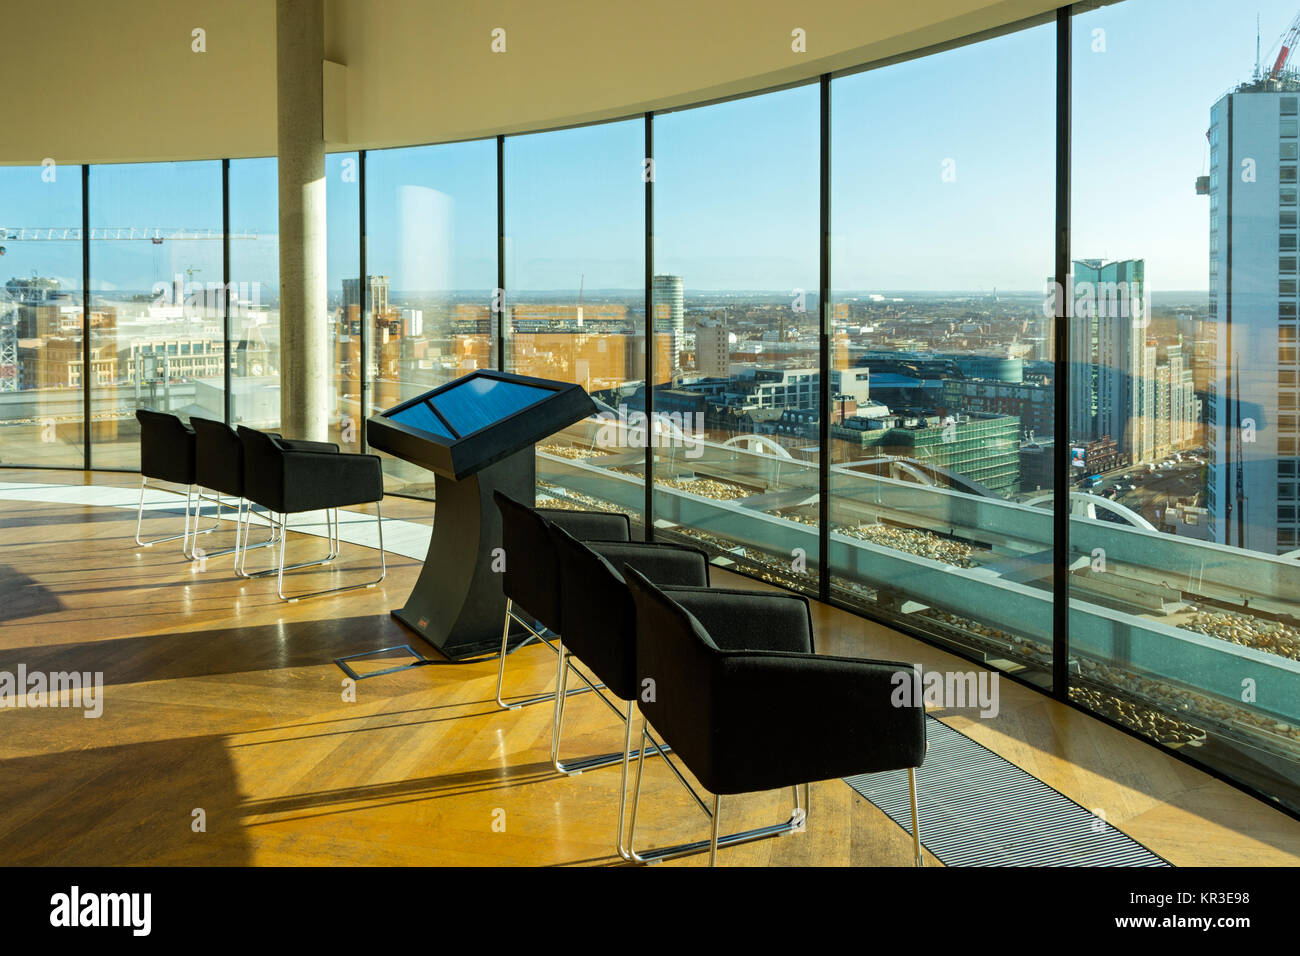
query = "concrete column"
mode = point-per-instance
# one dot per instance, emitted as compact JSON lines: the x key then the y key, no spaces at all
{"x":305,"y":368}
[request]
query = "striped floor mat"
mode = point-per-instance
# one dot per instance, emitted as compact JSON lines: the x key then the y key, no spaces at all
{"x":978,"y":809}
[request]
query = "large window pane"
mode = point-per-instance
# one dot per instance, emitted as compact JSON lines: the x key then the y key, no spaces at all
{"x":41,"y":316}
{"x":343,"y":259}
{"x":254,"y":294}
{"x":736,"y":245}
{"x":156,"y":318}
{"x":942,"y":172}
{"x":575,"y":300}
{"x":1185,"y":620}
{"x":431,"y":245}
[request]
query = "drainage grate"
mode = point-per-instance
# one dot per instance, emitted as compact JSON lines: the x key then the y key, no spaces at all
{"x":977,"y":809}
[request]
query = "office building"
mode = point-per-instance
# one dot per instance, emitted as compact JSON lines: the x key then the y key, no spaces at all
{"x":670,"y":313}
{"x":1251,"y":394}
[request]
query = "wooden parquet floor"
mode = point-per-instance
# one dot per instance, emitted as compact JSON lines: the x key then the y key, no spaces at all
{"x":223,"y":703}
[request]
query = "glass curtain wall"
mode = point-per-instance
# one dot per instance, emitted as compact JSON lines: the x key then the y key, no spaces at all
{"x":41,"y":304}
{"x":942,"y":204}
{"x":157,"y":336}
{"x":1181,"y":313}
{"x":1185,"y":583}
{"x":431,"y":259}
{"x":254,"y":294}
{"x":575,"y":302}
{"x":735,"y":300}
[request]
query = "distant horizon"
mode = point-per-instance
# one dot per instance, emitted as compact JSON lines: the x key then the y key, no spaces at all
{"x":687,"y":290}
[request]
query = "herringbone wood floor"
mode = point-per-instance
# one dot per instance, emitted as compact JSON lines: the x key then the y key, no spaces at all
{"x":221,"y":699}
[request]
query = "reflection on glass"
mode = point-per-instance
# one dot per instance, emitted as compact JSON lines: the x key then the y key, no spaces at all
{"x":942,"y":422}
{"x":343,"y":258}
{"x":431,"y":254}
{"x":41,"y":316}
{"x":156,"y":320}
{"x":736,"y":430}
{"x":575,"y":301}
{"x":254,"y":294}
{"x":1184,"y":620}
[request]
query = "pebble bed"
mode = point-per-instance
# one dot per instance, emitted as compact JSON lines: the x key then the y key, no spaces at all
{"x":572,"y":452}
{"x":1131,"y":709}
{"x":1127,"y":707}
{"x":1271,"y":636}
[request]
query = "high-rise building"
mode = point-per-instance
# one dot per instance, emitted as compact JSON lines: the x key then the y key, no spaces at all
{"x":712,"y":349}
{"x":378,"y":294}
{"x":1252,"y":399}
{"x":1112,"y":375}
{"x":670,"y":313}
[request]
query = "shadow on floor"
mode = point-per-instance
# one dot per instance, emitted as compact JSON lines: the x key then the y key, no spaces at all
{"x":127,"y":805}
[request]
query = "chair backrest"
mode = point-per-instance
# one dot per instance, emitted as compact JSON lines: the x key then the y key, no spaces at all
{"x":166,"y":447}
{"x":675,"y":652}
{"x":597,"y":613}
{"x":531,"y":579}
{"x":263,"y":468}
{"x":218,"y":456}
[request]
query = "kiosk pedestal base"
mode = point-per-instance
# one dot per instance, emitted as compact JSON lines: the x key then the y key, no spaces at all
{"x":457,"y":604}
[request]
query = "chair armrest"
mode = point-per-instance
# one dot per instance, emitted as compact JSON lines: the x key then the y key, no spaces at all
{"x":797,"y":718}
{"x":299,"y":444}
{"x":590,"y":525}
{"x":663,"y":564}
{"x":740,"y":620}
{"x":315,"y":480}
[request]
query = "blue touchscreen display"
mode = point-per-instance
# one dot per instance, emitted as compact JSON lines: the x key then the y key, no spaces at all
{"x":421,"y":416}
{"x":481,"y":401}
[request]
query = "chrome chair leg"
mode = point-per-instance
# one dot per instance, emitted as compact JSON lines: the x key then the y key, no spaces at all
{"x":282,"y":525}
{"x":713,"y":836}
{"x":533,"y":634}
{"x":192,"y":552}
{"x":562,"y":683}
{"x":792,"y":825}
{"x":916,"y":831}
{"x":239,"y":532}
{"x":501,"y":661}
{"x":245,"y":547}
{"x":139,"y":520}
{"x":284,"y":536}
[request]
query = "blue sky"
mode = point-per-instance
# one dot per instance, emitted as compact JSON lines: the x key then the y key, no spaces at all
{"x":736,"y":183}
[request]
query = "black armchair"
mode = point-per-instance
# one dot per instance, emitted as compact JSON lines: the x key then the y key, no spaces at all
{"x":219,"y":467}
{"x":166,"y":454}
{"x":747,"y":706}
{"x":599,"y":629}
{"x":289,"y":480}
{"x":531,"y":580}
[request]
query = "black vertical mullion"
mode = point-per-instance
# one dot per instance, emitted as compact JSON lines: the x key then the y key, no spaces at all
{"x":364,"y":298}
{"x":225,"y":280}
{"x":824,"y":340}
{"x":1064,"y":292}
{"x":500,"y":302}
{"x":648,"y":516}
{"x":85,"y":318}
{"x":1231,"y":406}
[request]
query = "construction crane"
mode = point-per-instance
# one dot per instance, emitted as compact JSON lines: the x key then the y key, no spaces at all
{"x":114,"y":233}
{"x":1286,"y":47}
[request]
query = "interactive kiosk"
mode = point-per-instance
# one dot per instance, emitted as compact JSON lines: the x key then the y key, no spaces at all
{"x":476,"y":435}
